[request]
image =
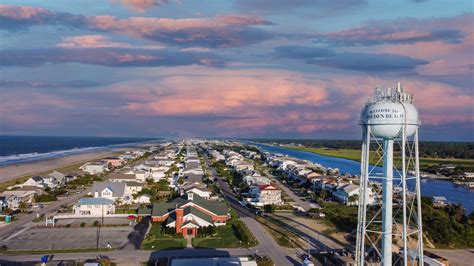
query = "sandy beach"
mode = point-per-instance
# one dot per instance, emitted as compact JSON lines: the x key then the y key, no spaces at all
{"x":14,"y":171}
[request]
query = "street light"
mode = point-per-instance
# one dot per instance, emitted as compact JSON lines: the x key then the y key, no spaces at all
{"x":309,"y":246}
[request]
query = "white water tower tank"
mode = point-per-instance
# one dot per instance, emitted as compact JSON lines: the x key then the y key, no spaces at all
{"x":388,"y":112}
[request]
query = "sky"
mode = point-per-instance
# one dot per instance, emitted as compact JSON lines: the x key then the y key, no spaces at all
{"x":241,"y":68}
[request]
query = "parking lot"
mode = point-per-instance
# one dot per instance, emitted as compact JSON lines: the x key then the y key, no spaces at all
{"x":89,"y":221}
{"x":69,"y":238}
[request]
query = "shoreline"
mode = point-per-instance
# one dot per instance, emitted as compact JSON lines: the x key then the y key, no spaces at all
{"x":11,"y":172}
{"x":422,"y":174}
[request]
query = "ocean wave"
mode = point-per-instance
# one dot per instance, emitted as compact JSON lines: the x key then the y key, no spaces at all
{"x":28,"y":157}
{"x":35,"y":156}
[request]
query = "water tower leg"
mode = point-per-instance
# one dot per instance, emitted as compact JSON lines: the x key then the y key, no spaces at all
{"x":418,"y":199}
{"x":387,"y":192}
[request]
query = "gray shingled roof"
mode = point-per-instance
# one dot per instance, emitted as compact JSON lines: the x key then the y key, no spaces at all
{"x":134,"y":184}
{"x":118,"y":188}
{"x":37,"y":178}
{"x":192,"y":178}
{"x":57,"y":175}
{"x":121,"y":176}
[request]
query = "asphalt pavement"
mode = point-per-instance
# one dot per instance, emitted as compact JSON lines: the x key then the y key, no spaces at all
{"x":267,"y":245}
{"x":17,"y":225}
{"x":302,"y":203}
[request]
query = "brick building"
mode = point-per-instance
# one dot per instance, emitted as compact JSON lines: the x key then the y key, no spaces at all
{"x":189,"y":213}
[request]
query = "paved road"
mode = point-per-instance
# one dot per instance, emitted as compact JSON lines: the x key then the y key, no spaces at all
{"x":302,"y":203}
{"x":267,"y":245}
{"x":8,"y":230}
{"x":317,"y":239}
{"x":136,"y":237}
{"x":459,"y":257}
{"x":69,"y":238}
{"x":128,"y":255}
{"x":16,"y":226}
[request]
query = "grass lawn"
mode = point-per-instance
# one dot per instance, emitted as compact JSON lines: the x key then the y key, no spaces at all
{"x":356,"y":156}
{"x":340,"y":217}
{"x":164,"y":243}
{"x":282,"y":235}
{"x":156,"y":240}
{"x":225,"y":238}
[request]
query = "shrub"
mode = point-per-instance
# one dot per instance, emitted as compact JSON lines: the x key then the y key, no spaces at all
{"x":68,"y":225}
{"x":58,"y":192}
{"x":269,"y":208}
{"x":264,"y":261}
{"x":83,"y":224}
{"x":243,"y":233}
{"x":45,"y":198}
{"x":96,"y":223}
{"x":207,"y":231}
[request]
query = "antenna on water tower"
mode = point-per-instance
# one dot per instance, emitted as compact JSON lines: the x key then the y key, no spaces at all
{"x":389,"y":226}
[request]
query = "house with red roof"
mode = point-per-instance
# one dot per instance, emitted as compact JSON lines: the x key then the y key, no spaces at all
{"x":262,"y":195}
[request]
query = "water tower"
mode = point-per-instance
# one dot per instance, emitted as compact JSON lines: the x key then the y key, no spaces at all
{"x":389,"y":226}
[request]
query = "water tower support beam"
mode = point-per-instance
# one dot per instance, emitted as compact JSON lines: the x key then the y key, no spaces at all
{"x":404,"y":198}
{"x":387,"y":202}
{"x":418,"y":199}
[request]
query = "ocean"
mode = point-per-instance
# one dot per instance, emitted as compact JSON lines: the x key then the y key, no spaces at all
{"x":18,"y":149}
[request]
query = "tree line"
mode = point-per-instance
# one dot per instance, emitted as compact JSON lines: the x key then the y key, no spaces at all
{"x":431,"y":149}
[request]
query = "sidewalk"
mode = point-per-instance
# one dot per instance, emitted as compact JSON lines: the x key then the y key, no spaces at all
{"x":189,"y":242}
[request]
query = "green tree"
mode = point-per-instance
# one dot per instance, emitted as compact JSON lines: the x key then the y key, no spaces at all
{"x":353,"y":198}
{"x":323,"y":194}
{"x":269,"y":208}
{"x":7,"y":211}
{"x":22,"y":206}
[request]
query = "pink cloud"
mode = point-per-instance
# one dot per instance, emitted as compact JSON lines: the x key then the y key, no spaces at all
{"x":220,"y":31}
{"x":281,"y":101}
{"x":22,"y":12}
{"x":399,"y":31}
{"x":223,"y":94}
{"x":45,"y":109}
{"x":142,"y":5}
{"x":445,"y":58}
{"x":99,"y":41}
{"x":234,"y":102}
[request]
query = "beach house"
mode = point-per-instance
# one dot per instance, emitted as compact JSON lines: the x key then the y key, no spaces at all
{"x":95,"y":207}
